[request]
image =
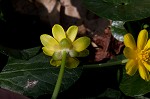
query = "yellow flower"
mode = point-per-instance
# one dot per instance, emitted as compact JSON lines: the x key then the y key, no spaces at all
{"x":138,"y":55}
{"x":64,"y":41}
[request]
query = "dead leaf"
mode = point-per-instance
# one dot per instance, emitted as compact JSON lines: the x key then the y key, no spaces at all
{"x":72,"y":12}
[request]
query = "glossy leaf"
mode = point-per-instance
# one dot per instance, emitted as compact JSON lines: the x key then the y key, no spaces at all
{"x":117,"y":58}
{"x":134,"y":85}
{"x":110,"y":94}
{"x":19,"y":54}
{"x":119,"y":10}
{"x":35,"y":77}
{"x":118,"y":30}
{"x":2,"y":16}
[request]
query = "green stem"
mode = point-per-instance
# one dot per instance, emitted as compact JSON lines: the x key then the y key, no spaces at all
{"x":129,"y":28}
{"x":106,"y":64}
{"x":60,"y":76}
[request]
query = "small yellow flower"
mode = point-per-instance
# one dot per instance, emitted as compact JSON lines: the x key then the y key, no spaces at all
{"x":138,"y":55}
{"x":64,"y":41}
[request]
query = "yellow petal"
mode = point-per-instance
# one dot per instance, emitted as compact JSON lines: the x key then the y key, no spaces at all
{"x":47,"y":51}
{"x":83,"y":53}
{"x":147,"y":65}
{"x":129,"y":53}
{"x":72,"y":62}
{"x":57,"y":55}
{"x":58,"y":32}
{"x":49,"y":41}
{"x":72,"y":32}
{"x":129,"y":41}
{"x":131,"y":67}
{"x":142,"y":39}
{"x":73,"y":53}
{"x":55,"y":62}
{"x":143,"y":72}
{"x":147,"y":45}
{"x":81,"y":44}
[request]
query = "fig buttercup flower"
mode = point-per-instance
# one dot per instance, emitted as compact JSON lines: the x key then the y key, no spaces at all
{"x":64,"y":41}
{"x":138,"y":54}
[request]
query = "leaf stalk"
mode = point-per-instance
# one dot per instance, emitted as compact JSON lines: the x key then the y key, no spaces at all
{"x":106,"y":64}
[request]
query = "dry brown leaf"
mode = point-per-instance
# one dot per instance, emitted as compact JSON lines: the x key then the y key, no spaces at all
{"x":72,"y":12}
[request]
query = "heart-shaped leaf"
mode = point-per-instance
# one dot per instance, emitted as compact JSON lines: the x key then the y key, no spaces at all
{"x":19,"y":54}
{"x":118,"y":30}
{"x":134,"y":85}
{"x":35,"y":76}
{"x":119,"y":10}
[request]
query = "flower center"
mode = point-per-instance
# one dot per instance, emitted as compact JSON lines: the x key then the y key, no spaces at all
{"x":144,"y":55}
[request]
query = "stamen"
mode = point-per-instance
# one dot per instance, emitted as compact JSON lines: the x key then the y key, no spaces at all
{"x":145,"y":55}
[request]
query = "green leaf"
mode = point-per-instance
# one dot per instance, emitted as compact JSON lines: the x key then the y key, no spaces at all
{"x":19,"y":54}
{"x":117,"y":58}
{"x":110,"y":94}
{"x":118,"y":30}
{"x":35,"y":76}
{"x":134,"y":85}
{"x":119,"y":10}
{"x":2,"y":16}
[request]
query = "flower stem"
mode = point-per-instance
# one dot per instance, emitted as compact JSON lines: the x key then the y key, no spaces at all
{"x":60,"y":76}
{"x":106,"y":64}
